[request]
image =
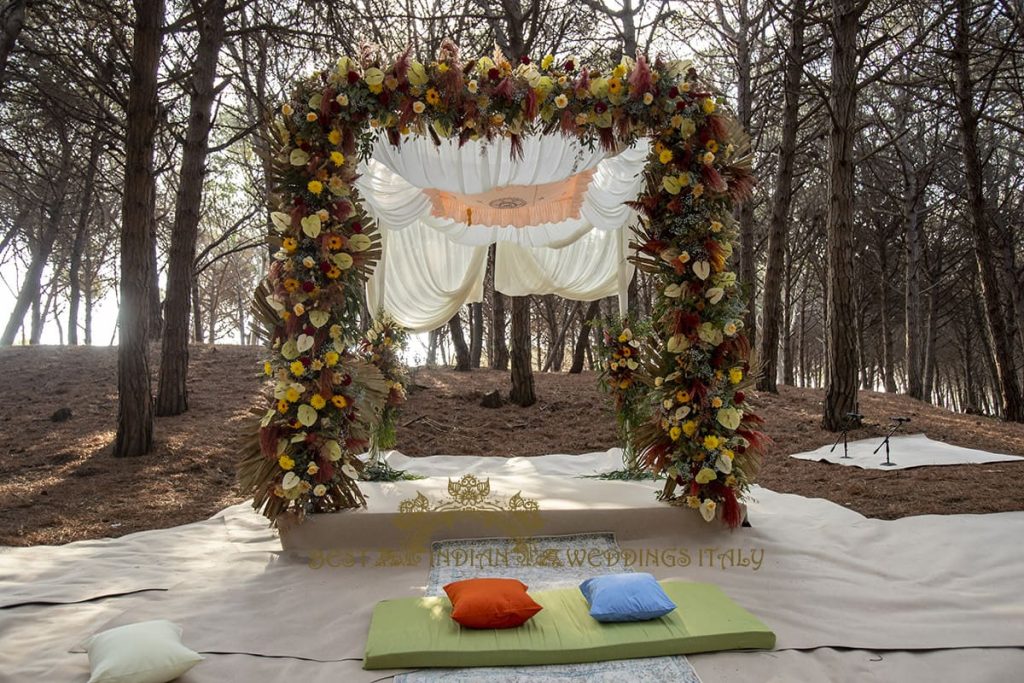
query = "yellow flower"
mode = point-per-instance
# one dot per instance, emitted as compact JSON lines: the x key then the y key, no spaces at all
{"x":338,"y":158}
{"x":709,"y":158}
{"x":433,"y":97}
{"x":716,"y":226}
{"x":317,"y":401}
{"x":716,"y":402}
{"x":736,"y":375}
{"x":473,"y":86}
{"x":690,"y":428}
{"x":287,"y":110}
{"x":342,"y":99}
{"x":312,"y":468}
{"x":698,"y":190}
{"x":619,"y":71}
{"x":377,"y":88}
{"x":711,"y":442}
{"x":292,"y":394}
{"x":693,"y":502}
{"x":442,"y":68}
{"x":339,"y":401}
{"x":614,"y":86}
{"x":286,"y":462}
{"x":334,"y":137}
{"x":331,"y":358}
{"x":289,"y":244}
{"x":731,"y":481}
{"x":268,"y":369}
{"x":298,"y":309}
{"x":712,"y":146}
{"x":709,"y":105}
{"x":315,"y":186}
{"x":547,"y":61}
{"x":682,"y":397}
{"x":319,"y":490}
{"x":665,"y":156}
{"x":562,"y":101}
{"x":675,"y":433}
{"x":311,"y":117}
{"x":648,"y":98}
{"x":418,"y":107}
{"x":282,"y":407}
{"x":297,"y":368}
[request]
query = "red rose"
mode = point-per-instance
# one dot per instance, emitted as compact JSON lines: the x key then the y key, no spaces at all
{"x":601,"y":107}
{"x":346,"y":380}
{"x":569,"y":65}
{"x":325,"y":266}
{"x":305,"y":361}
{"x":357,"y":226}
{"x":353,"y":77}
{"x":680,"y":105}
{"x":309,"y":329}
{"x":739,"y":397}
{"x":493,"y":74}
{"x":673,"y":92}
{"x":524,"y":60}
{"x":308,"y":286}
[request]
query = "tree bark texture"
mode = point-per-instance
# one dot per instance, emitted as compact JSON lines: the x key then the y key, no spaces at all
{"x":522,"y":393}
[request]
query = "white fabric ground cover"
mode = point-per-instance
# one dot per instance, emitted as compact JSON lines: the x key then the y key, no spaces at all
{"x":913,"y":450}
{"x":828,"y":577}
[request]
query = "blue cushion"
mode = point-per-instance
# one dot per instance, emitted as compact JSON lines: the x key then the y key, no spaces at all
{"x":626,"y":597}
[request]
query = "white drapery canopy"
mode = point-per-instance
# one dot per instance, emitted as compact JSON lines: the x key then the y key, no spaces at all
{"x":557,"y":216}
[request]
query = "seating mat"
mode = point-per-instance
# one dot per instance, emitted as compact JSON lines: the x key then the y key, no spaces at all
{"x":419,"y":632}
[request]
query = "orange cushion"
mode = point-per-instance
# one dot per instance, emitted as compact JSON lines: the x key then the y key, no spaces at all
{"x":491,"y":603}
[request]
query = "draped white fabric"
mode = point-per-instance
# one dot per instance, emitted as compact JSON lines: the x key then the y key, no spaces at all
{"x":433,"y":264}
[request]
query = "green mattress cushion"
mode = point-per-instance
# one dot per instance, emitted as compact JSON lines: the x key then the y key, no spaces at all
{"x":419,"y":632}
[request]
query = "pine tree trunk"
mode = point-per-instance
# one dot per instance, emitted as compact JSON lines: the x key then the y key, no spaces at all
{"x":81,"y":235}
{"x":522,"y":393}
{"x":1010,"y":399}
{"x":135,"y":403}
{"x":14,"y":21}
{"x":580,"y":348}
{"x":888,"y":360}
{"x":768,"y":351}
{"x":841,"y":333}
{"x":42,"y":249}
{"x":172,"y":394}
{"x":459,"y":341}
{"x":197,"y":314}
{"x":153,"y":306}
{"x":787,"y":325}
{"x":476,"y":334}
{"x":915,"y":265}
{"x":432,"y":348}
{"x":748,"y":247}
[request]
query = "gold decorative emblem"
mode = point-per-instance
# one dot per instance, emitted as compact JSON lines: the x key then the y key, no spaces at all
{"x":469,"y":494}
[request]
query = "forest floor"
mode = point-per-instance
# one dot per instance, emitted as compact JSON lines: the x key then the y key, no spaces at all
{"x":59,"y":483}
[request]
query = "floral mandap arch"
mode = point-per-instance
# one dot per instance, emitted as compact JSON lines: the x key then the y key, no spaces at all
{"x":693,"y":367}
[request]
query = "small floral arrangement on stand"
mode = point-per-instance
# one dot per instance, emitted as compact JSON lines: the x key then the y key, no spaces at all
{"x":383,"y":346}
{"x":622,"y":377}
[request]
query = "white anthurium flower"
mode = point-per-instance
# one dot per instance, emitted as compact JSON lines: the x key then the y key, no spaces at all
{"x":280,"y":389}
{"x":290,"y":481}
{"x":315,"y":101}
{"x":282,"y":221}
{"x":724,"y":464}
{"x":673,"y":291}
{"x":282,"y":445}
{"x":681,"y":413}
{"x":371,"y":335}
{"x":298,"y":157}
{"x":702,"y":269}
{"x":342,"y":260}
{"x":710,"y":334}
{"x":632,"y":364}
{"x":715,"y":294}
{"x":358,"y":242}
{"x":311,"y":226}
{"x":349,"y":471}
{"x":290,"y":350}
{"x":307,"y":415}
{"x":268,"y":416}
{"x":726,"y":279}
{"x":299,"y":438}
{"x":707,"y":510}
{"x":374,"y":76}
{"x":729,"y":417}
{"x":275,"y":303}
{"x":417,"y":74}
{"x":677,"y":343}
{"x":658,"y":381}
{"x":304,"y":342}
{"x":319,"y":318}
{"x":301,"y":389}
{"x":332,"y":450}
{"x":319,"y":490}
{"x":669,"y":255}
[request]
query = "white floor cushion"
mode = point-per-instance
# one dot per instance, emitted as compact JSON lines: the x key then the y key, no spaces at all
{"x":146,"y":652}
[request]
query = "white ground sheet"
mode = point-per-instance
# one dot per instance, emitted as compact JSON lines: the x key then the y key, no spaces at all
{"x":826,"y":578}
{"x":913,"y":450}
